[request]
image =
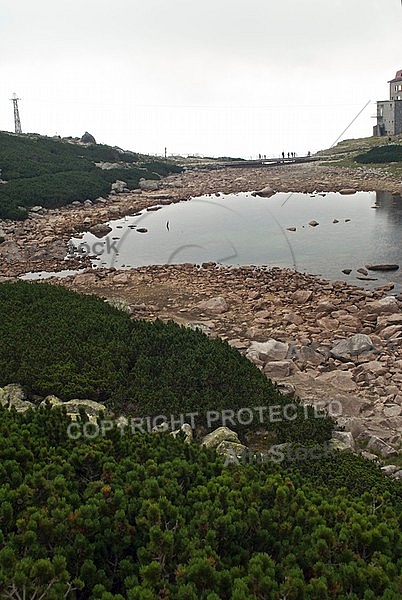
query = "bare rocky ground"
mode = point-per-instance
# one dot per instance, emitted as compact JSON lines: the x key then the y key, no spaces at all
{"x":323,"y":341}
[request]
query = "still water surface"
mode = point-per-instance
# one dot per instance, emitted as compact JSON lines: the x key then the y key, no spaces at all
{"x":240,"y":229}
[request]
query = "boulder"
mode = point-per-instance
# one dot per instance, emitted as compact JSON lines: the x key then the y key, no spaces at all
{"x":394,"y":410}
{"x":369,"y":456}
{"x":385,"y":306}
{"x":87,"y":138}
{"x":92,"y":408}
{"x":385,"y":267}
{"x":357,"y":344}
{"x":347,"y":191}
{"x":119,"y":186}
{"x":265,"y":192}
{"x":233,"y":447}
{"x":199,"y":327}
{"x":13,"y":396}
{"x":52,"y":400}
{"x":100,"y":230}
{"x":270,"y":350}
{"x":389,"y":469}
{"x":379,"y":445}
{"x":391,"y":330}
{"x":343,"y":440}
{"x":386,"y":320}
{"x":215,"y":305}
{"x":301,"y":296}
{"x":149,"y":185}
{"x":279,"y":369}
{"x":219,"y":435}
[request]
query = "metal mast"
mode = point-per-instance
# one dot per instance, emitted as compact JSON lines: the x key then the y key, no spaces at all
{"x":17,"y":121}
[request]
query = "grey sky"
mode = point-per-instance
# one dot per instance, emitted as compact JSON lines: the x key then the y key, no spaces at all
{"x":213,"y":77}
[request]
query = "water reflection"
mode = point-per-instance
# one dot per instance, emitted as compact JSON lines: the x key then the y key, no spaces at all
{"x":241,"y":229}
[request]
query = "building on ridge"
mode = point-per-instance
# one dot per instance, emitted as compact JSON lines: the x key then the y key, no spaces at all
{"x":389,"y":112}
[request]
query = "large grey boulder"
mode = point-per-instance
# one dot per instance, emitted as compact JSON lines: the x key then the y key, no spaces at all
{"x":119,"y":186}
{"x":357,"y":344}
{"x":149,"y":185}
{"x":87,"y":138}
{"x":343,"y":441}
{"x":217,"y":305}
{"x":270,"y":350}
{"x":279,"y":369}
{"x":92,"y":408}
{"x":231,"y":447}
{"x":379,"y":445}
{"x":385,"y":306}
{"x":265,"y":192}
{"x":222,"y":434}
{"x":13,"y":396}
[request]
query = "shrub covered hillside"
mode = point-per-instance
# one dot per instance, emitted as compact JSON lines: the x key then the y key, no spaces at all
{"x":55,"y":341}
{"x":381,"y":154}
{"x":133,"y":516}
{"x":142,"y":517}
{"x":51,"y":172}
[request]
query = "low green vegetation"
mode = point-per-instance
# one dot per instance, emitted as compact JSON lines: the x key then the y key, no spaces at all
{"x":51,"y":172}
{"x":55,"y":341}
{"x":142,"y":517}
{"x":381,"y":155}
{"x":133,"y":516}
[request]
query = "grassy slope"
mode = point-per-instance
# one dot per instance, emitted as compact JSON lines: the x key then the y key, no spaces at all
{"x":345,"y":153}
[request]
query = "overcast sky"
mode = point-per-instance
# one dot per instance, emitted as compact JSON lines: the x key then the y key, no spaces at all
{"x":213,"y":77}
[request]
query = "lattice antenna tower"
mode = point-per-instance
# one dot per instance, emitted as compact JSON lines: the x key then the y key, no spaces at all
{"x":17,"y":121}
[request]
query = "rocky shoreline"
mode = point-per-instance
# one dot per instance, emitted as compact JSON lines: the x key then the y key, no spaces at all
{"x":27,"y":245}
{"x":317,"y":339}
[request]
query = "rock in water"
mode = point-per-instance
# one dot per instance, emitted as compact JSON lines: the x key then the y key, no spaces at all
{"x":266,"y":192}
{"x":385,"y":267}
